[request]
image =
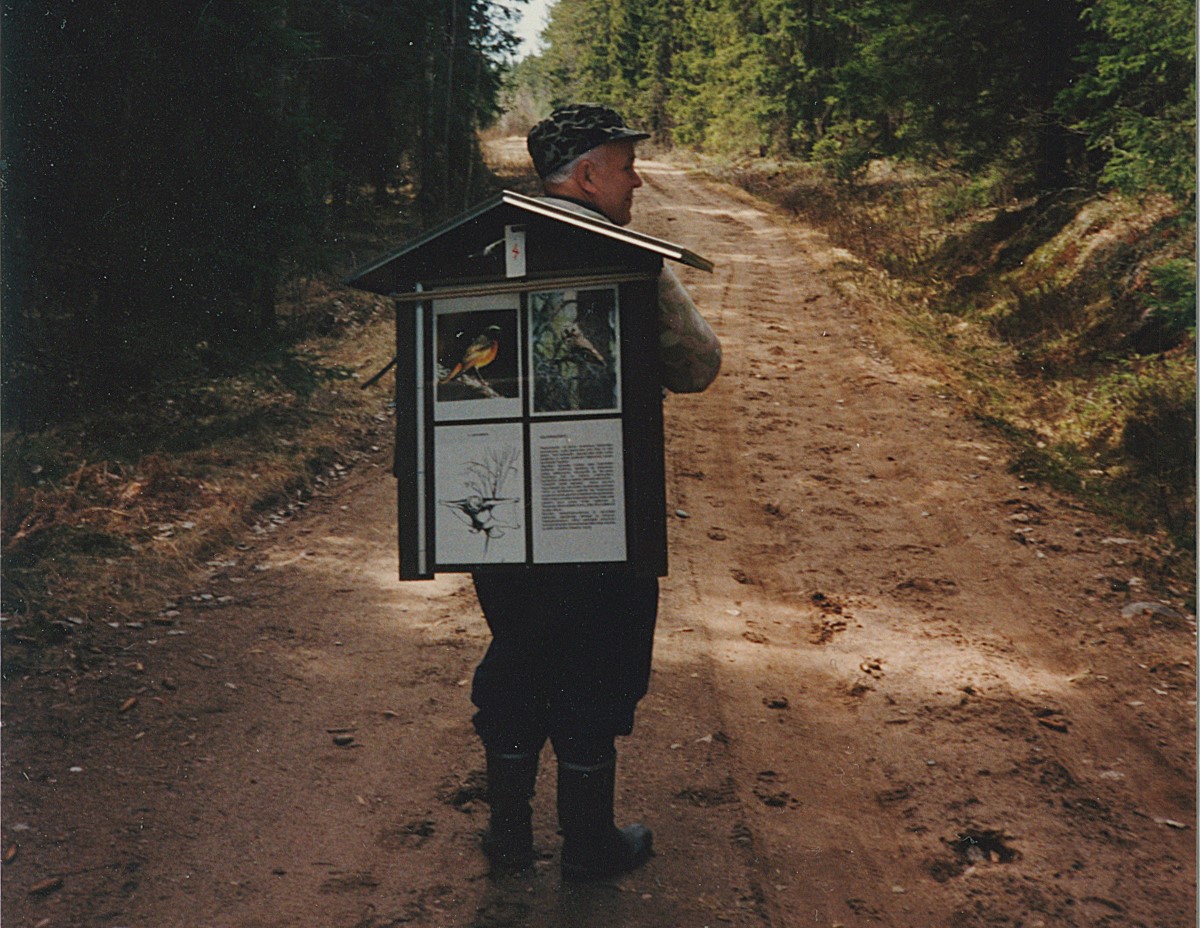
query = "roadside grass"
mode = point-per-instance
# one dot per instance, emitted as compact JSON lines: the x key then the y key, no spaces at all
{"x":1067,"y":323}
{"x":114,"y":512}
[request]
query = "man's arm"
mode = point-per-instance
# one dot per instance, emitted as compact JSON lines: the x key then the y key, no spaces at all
{"x":691,"y":353}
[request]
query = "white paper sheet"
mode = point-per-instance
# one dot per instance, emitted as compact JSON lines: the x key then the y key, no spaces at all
{"x":578,"y":491}
{"x":480,"y":487}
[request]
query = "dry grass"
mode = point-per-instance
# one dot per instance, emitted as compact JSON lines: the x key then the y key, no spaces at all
{"x":509,"y":160}
{"x":111,"y":516}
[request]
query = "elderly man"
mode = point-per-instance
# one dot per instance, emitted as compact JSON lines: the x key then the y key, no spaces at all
{"x":571,"y":647}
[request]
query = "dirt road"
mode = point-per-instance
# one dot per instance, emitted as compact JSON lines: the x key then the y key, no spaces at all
{"x":894,"y":685}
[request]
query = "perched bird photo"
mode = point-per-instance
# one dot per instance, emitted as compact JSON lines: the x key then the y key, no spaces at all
{"x":575,"y":350}
{"x":577,"y":347}
{"x":481,"y":352}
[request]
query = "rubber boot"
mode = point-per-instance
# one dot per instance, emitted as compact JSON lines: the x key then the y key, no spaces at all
{"x":593,"y":847}
{"x":508,"y":841}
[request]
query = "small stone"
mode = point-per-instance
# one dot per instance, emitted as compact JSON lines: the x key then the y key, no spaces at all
{"x":45,"y":887}
{"x":1147,"y":608}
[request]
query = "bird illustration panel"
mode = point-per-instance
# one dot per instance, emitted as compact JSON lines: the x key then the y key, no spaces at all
{"x":574,"y":351}
{"x":477,"y":361}
{"x":479,"y":487}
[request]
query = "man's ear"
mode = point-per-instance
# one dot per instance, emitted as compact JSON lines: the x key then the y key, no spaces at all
{"x":585,"y":174}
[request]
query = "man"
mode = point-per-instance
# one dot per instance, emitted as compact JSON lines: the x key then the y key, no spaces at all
{"x":571,"y":647}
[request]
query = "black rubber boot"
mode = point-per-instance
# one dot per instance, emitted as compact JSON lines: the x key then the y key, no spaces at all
{"x":508,"y":841}
{"x":593,"y":847}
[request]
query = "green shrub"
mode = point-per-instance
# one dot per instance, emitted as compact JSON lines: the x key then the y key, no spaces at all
{"x":1173,"y":301}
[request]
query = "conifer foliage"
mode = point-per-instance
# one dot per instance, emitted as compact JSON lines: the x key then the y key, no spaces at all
{"x":1073,"y":89}
{"x":162,"y":161}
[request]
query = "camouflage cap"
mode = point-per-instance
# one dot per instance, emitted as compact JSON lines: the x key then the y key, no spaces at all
{"x":571,"y":130}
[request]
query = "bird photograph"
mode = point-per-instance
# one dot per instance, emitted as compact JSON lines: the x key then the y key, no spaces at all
{"x":477,"y":355}
{"x":576,"y":347}
{"x":575,"y":350}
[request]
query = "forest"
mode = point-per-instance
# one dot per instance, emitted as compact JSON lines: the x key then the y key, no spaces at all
{"x":167,"y":167}
{"x":1072,"y":91}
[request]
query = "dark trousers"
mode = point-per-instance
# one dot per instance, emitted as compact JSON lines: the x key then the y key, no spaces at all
{"x":569,"y":659}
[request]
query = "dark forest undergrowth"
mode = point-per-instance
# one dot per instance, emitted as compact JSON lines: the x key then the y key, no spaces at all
{"x":1066,"y":322}
{"x":113,"y":509}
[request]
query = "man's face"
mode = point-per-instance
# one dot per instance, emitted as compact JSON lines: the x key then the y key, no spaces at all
{"x":611,"y":180}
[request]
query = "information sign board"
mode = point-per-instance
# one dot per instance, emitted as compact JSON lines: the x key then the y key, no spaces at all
{"x":520,"y":418}
{"x":528,"y":390}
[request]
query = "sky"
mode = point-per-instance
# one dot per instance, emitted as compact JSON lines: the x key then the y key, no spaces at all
{"x":533,"y":20}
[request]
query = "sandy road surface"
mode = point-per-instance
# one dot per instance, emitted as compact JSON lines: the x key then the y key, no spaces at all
{"x":894,"y":685}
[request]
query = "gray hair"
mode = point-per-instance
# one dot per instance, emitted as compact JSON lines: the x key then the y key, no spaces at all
{"x":563,"y":174}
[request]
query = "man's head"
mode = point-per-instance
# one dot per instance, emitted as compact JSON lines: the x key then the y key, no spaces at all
{"x":585,"y":151}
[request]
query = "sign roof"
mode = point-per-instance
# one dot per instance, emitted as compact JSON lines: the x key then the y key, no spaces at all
{"x":379,"y":275}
